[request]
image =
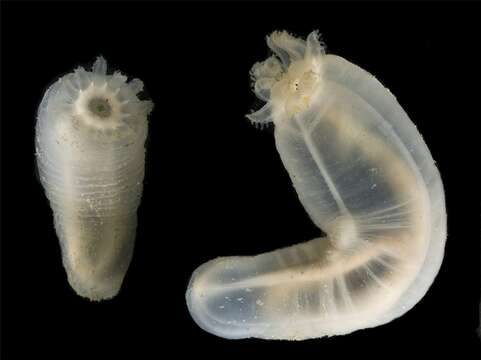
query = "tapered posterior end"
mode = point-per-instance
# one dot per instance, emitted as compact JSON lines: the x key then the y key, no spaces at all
{"x":94,"y":292}
{"x":92,"y":284}
{"x":200,"y":296}
{"x":219,"y":302}
{"x":96,"y":265}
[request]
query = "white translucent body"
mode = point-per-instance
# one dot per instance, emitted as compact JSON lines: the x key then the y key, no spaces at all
{"x":364,"y":176}
{"x":90,"y":137}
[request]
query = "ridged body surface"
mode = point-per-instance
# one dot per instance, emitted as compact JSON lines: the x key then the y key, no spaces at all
{"x":365,"y":177}
{"x":90,"y":137}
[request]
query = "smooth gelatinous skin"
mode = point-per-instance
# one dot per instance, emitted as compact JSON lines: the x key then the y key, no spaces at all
{"x":365,"y":177}
{"x":90,"y":135}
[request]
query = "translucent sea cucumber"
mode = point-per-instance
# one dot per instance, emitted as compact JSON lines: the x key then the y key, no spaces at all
{"x":90,"y":135}
{"x":365,"y":177}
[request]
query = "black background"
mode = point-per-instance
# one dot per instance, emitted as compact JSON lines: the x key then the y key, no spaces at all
{"x":214,"y":184}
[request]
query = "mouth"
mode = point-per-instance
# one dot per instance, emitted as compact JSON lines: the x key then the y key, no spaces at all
{"x":100,"y":107}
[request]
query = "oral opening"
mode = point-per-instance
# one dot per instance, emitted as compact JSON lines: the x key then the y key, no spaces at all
{"x":100,"y":107}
